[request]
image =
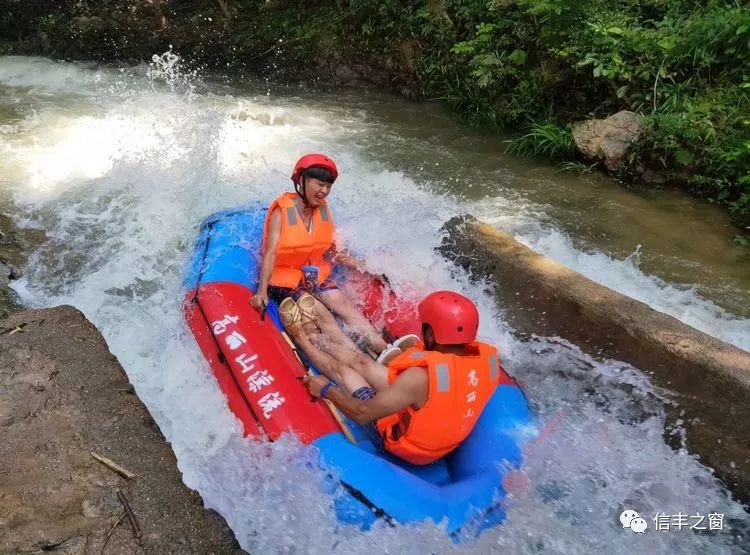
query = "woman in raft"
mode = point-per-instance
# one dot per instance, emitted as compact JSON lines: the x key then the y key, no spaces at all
{"x":298,"y":254}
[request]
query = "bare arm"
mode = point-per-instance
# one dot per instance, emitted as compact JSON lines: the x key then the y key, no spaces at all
{"x":269,"y":257}
{"x":269,"y":260}
{"x":409,"y":389}
{"x":345,"y":258}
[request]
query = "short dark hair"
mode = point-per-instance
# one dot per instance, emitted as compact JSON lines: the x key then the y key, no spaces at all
{"x":318,"y":172}
{"x":425,"y":328}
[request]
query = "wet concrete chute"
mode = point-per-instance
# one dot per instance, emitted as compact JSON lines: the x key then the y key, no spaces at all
{"x":119,"y":166}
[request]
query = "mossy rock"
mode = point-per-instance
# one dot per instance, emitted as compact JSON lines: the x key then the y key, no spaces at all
{"x":9,"y":301}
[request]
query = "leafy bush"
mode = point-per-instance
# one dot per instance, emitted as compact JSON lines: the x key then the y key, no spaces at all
{"x":684,"y":65}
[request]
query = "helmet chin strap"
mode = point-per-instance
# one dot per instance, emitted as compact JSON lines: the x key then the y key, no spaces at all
{"x":301,"y":191}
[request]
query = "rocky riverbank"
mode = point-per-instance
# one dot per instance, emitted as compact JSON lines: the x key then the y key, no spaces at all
{"x":63,"y":398}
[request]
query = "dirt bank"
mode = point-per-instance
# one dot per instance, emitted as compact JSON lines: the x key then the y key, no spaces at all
{"x":63,"y":395}
{"x":710,"y":379}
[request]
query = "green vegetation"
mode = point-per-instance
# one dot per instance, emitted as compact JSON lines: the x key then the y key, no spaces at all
{"x":544,"y":139}
{"x":533,"y":65}
{"x":577,"y":167}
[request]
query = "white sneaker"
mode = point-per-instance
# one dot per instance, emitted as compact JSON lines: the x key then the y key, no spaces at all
{"x":388,"y":354}
{"x":406,"y":341}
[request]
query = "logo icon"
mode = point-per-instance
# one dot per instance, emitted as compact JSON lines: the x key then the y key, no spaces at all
{"x":631,"y":519}
{"x":638,"y":525}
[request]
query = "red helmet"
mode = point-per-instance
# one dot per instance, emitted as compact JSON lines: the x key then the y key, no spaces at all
{"x":453,"y":318}
{"x":310,"y":160}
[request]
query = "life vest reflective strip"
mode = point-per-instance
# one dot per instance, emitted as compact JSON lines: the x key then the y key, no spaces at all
{"x":297,"y":246}
{"x":459,"y":388}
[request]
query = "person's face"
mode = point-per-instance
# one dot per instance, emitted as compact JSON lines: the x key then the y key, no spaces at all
{"x":316,"y":190}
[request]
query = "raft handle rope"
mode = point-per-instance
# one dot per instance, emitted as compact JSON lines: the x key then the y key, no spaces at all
{"x":196,"y":301}
{"x":362,"y":498}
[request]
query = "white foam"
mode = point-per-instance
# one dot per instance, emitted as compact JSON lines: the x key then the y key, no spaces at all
{"x":50,"y":77}
{"x":624,"y":276}
{"x":119,"y":240}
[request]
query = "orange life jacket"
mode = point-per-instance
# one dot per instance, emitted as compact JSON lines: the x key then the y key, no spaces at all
{"x":297,"y":246}
{"x":460,"y":386}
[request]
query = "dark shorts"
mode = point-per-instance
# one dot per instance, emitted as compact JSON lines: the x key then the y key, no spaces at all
{"x":370,"y":430}
{"x":278,"y":294}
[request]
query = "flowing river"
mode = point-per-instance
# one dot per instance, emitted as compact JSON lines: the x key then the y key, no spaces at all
{"x":120,"y":166}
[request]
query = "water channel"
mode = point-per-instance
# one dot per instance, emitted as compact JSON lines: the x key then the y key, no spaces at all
{"x":120,"y":165}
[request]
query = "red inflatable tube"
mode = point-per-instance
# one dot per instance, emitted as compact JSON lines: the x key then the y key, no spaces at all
{"x":254,"y":365}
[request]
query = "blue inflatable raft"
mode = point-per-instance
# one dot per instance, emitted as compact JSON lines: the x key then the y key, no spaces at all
{"x":257,"y":368}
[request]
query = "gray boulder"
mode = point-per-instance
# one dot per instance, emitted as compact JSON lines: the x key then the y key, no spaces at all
{"x":608,"y":140}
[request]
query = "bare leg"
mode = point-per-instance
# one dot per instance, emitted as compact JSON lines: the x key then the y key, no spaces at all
{"x":374,"y":373}
{"x":329,"y":327}
{"x":342,"y":306}
{"x":344,"y":375}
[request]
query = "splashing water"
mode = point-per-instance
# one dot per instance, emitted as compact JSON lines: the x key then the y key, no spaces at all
{"x":120,"y":169}
{"x":167,"y":69}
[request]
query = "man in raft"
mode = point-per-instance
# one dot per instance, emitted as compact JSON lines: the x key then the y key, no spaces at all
{"x":428,"y":398}
{"x":299,"y":252}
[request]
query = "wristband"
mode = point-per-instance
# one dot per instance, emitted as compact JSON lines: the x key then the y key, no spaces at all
{"x":326,"y":387}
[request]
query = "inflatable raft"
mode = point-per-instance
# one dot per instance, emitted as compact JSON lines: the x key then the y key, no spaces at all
{"x":257,"y":367}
